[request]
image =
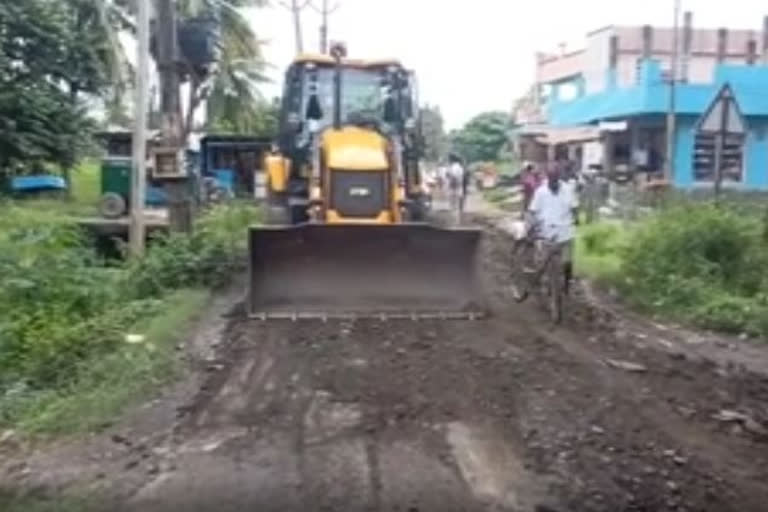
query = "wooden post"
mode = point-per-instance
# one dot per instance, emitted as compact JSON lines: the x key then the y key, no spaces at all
{"x":751,"y":51}
{"x":687,"y":43}
{"x":764,"y":54}
{"x":669,"y":168}
{"x":719,"y":143}
{"x":647,"y":41}
{"x":137,"y":229}
{"x":722,"y":44}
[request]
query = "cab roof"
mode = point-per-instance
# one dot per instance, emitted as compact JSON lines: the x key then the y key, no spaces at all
{"x":321,"y":59}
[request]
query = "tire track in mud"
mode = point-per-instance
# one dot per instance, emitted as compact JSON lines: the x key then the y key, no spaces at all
{"x":498,"y":414}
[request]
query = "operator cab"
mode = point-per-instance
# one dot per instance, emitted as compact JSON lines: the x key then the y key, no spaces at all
{"x":376,"y":94}
{"x":323,"y":93}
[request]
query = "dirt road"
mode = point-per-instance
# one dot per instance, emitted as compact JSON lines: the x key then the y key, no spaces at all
{"x":500,"y":414}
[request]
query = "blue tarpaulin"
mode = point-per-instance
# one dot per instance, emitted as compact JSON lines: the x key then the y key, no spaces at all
{"x":225,"y":179}
{"x":38,"y":183}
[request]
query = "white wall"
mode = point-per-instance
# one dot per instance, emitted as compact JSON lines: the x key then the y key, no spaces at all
{"x":596,"y":60}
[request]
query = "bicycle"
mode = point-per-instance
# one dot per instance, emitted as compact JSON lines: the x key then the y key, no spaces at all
{"x":545,"y":275}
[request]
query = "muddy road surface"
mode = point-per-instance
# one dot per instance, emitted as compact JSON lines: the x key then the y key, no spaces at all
{"x":605,"y":413}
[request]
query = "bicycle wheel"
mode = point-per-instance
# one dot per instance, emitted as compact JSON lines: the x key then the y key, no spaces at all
{"x":556,"y":288}
{"x":519,"y":279}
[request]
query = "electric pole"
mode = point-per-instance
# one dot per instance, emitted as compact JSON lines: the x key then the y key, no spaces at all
{"x":324,"y":12}
{"x":176,"y":188}
{"x":669,"y":168}
{"x":139,"y":168}
{"x":296,"y":7}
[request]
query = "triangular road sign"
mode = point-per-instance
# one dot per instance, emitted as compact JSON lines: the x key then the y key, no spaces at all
{"x":723,"y":115}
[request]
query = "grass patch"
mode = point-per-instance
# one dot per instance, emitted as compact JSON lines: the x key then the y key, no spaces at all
{"x":695,"y":262}
{"x":86,"y":184}
{"x":106,"y":384}
{"x":499,"y":194}
{"x":598,"y":251}
{"x":64,"y":313}
{"x":14,"y":503}
{"x":701,"y":263}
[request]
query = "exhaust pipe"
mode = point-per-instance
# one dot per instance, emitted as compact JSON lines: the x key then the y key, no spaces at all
{"x":338,"y":51}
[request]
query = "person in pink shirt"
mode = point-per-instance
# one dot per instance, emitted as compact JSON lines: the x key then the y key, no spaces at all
{"x":530,"y":181}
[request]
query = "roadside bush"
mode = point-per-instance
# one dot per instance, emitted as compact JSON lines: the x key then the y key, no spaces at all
{"x":601,"y":239}
{"x":702,"y":262}
{"x":730,"y":313}
{"x":61,"y":305}
{"x":51,"y":288}
{"x":209,"y":257}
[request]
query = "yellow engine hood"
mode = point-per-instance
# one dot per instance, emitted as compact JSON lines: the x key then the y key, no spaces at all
{"x":354,"y":149}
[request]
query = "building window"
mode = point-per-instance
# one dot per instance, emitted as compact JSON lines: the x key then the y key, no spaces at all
{"x":545,"y":92}
{"x":732,"y":158}
{"x":568,"y":91}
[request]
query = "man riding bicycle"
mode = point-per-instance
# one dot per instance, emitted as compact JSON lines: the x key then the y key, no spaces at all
{"x":551,"y":218}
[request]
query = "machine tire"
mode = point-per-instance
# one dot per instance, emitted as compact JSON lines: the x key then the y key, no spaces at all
{"x":298,"y":214}
{"x":416,"y":211}
{"x":112,"y":205}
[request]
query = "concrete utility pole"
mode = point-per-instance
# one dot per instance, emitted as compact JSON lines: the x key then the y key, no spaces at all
{"x":296,"y":7}
{"x":139,"y":168}
{"x":324,"y":12}
{"x":669,"y":168}
{"x":177,"y":190}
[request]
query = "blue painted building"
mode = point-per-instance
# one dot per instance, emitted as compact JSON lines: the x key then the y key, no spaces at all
{"x":644,"y":107}
{"x":609,"y":102}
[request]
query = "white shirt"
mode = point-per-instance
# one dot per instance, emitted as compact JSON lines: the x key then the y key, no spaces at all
{"x":570,"y":186}
{"x":457,"y":171}
{"x":554,"y":212}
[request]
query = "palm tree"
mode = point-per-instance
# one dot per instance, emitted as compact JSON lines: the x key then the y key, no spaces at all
{"x":232,"y":88}
{"x":232,"y":84}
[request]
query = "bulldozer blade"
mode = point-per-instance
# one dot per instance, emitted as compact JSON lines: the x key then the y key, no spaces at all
{"x":349,"y":271}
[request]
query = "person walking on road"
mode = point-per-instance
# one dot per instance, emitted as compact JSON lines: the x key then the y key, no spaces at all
{"x":550,"y":215}
{"x":456,"y":176}
{"x":570,"y":180}
{"x":530,"y":181}
{"x":466,"y":180}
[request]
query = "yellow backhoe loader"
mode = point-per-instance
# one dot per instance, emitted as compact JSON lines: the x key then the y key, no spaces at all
{"x":348,"y":234}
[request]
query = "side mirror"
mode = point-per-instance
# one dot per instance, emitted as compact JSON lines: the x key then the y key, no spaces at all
{"x":390,"y":111}
{"x":314,"y":110}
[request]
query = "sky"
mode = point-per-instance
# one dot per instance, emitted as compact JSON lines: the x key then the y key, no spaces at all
{"x":478,"y":55}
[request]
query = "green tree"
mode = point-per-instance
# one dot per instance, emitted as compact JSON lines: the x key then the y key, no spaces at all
{"x":481,"y":139}
{"x":433,"y":131}
{"x":41,"y":120}
{"x":240,"y":68}
{"x":261,"y":119}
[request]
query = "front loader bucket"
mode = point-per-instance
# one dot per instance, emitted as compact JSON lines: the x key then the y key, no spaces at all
{"x":339,"y":271}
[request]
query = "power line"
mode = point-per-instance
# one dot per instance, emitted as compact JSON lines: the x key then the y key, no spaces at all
{"x":324,"y":11}
{"x":295,"y":6}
